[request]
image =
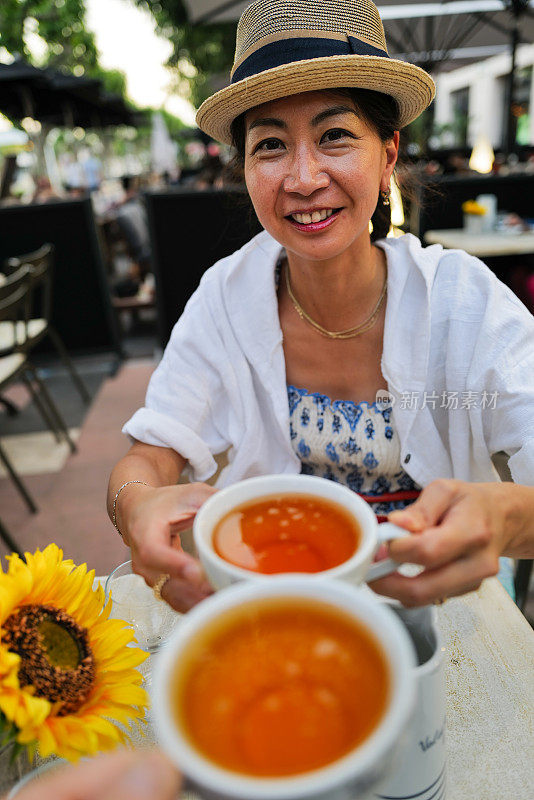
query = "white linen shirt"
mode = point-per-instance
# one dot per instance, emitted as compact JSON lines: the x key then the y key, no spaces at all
{"x":451,"y":326}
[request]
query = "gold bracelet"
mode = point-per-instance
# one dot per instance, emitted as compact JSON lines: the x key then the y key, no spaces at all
{"x":124,"y":485}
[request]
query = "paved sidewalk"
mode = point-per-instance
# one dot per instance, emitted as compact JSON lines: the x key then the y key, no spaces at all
{"x":72,"y":502}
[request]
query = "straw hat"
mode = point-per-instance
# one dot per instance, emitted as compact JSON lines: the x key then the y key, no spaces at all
{"x":285,"y":47}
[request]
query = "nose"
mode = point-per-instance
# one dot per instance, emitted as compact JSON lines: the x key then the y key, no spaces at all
{"x":305,"y":174}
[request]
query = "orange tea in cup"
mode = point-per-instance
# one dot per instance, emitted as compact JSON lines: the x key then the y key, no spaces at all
{"x":287,"y":533}
{"x":280,"y":687}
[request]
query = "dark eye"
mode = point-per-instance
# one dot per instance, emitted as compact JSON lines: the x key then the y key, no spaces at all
{"x":268,"y":145}
{"x":336,"y":134}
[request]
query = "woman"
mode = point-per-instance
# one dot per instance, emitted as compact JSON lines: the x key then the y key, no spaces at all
{"x":280,"y":353}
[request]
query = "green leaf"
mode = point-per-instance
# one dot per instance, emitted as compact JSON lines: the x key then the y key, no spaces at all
{"x":17,"y":751}
{"x":8,"y":737}
{"x":8,"y":731}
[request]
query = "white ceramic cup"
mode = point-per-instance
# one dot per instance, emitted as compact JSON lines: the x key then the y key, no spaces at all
{"x":356,"y":570}
{"x":421,"y":771}
{"x":489,"y":201}
{"x":358,"y":773}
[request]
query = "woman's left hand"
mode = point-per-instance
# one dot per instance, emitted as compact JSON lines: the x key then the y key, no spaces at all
{"x":459,"y":531}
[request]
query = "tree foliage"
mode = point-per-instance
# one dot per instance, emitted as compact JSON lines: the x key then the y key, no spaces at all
{"x":66,"y":43}
{"x":209,"y":48}
{"x":61,"y":26}
{"x":113,"y":80}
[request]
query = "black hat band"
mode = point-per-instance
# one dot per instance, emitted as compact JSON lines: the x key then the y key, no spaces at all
{"x":286,"y":51}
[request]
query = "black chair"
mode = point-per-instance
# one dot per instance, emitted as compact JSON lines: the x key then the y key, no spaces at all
{"x":189,"y":231}
{"x":81,"y":309}
{"x":40,"y":325}
{"x":14,"y":365}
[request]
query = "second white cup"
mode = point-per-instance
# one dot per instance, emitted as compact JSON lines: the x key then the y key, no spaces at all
{"x":356,"y":570}
{"x":360,"y":772}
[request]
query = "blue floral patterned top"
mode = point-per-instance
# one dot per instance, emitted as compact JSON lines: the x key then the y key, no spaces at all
{"x":352,"y":443}
{"x":356,"y":444}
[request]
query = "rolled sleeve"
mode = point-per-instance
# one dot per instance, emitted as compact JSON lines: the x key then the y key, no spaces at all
{"x":150,"y":427}
{"x":510,"y":424}
{"x":521,"y":465}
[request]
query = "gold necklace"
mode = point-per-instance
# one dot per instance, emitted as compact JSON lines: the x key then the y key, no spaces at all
{"x":349,"y":333}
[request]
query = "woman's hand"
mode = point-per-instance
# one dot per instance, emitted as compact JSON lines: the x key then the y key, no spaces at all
{"x":123,"y":775}
{"x":155,"y":519}
{"x":460,"y":530}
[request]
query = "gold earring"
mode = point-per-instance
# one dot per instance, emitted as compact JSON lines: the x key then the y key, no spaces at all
{"x":385,"y":197}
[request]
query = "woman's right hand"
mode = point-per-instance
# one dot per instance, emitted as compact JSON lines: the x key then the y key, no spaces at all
{"x":156,"y":516}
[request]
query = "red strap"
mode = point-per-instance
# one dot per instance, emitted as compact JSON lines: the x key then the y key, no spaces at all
{"x":391,"y":497}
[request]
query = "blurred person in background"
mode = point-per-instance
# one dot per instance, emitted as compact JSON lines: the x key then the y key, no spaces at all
{"x":44,"y":191}
{"x":133,"y":226}
{"x":211,"y":170}
{"x":74,"y":178}
{"x":92,"y":171}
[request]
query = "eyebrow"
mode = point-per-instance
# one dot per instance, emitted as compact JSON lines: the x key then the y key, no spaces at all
{"x":268,"y":122}
{"x":274,"y":122}
{"x":333,"y":112}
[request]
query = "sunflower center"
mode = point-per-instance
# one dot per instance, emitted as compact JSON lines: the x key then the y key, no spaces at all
{"x":59,"y":644}
{"x":56,"y":658}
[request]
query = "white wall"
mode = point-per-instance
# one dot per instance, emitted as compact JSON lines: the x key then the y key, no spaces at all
{"x":486,"y":81}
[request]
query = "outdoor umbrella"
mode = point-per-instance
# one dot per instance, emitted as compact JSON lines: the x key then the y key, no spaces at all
{"x":88,"y":104}
{"x":425,"y":33}
{"x":442,"y":35}
{"x":58,"y":99}
{"x":215,"y":10}
{"x":163,"y":150}
{"x":26,"y":92}
{"x":55,"y":99}
{"x":437,"y":36}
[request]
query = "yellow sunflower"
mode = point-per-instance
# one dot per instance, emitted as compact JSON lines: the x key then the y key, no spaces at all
{"x":67,"y":674}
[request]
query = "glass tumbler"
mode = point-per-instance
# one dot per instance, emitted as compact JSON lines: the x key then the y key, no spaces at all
{"x":135,"y":603}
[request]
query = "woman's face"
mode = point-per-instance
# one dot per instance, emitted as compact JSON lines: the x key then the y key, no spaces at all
{"x":313,"y":169}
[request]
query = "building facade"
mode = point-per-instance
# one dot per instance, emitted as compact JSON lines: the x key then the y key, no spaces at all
{"x":471,"y":101}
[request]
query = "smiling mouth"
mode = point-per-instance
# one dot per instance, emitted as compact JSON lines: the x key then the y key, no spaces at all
{"x":315,"y":220}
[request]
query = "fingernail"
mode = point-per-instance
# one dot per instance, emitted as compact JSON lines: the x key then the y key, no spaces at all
{"x":192,"y":571}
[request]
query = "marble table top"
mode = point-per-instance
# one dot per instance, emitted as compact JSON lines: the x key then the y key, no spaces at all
{"x":492,"y":243}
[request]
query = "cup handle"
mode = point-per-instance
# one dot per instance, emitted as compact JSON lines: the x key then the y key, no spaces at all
{"x":386,"y":532}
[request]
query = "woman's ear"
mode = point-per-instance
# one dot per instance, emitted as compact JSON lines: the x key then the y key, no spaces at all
{"x":391,"y":148}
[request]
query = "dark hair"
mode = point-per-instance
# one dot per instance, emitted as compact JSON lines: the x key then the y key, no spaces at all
{"x":381,"y":113}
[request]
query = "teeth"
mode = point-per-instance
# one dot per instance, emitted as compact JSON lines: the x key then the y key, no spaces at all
{"x":316,"y":216}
